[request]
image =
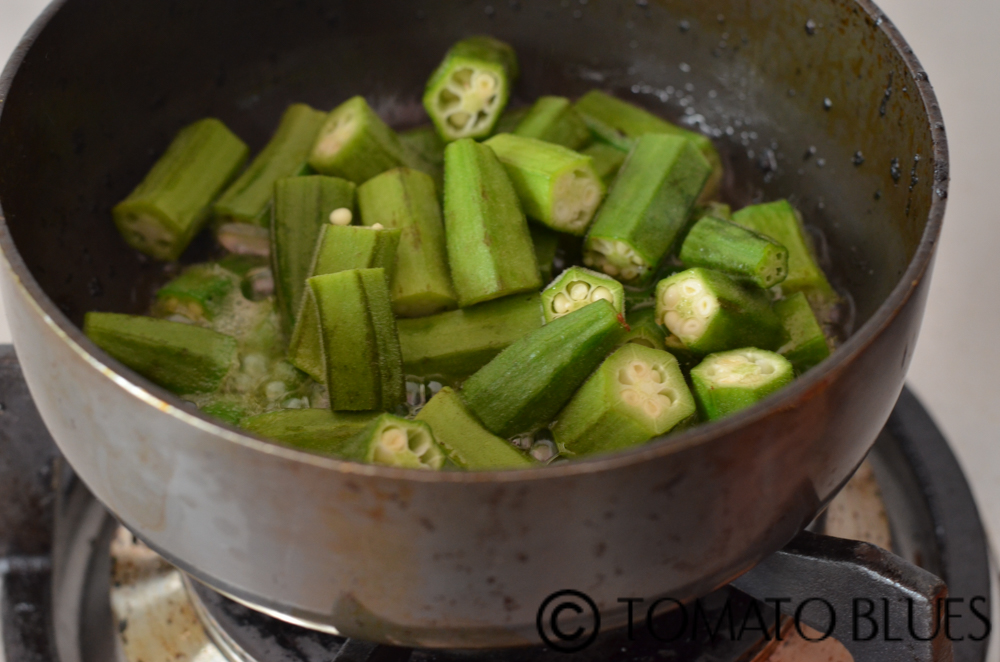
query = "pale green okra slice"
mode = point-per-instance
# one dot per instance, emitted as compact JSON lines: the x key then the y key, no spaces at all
{"x":606,"y":160}
{"x":395,"y":442}
{"x":727,"y":382}
{"x":724,"y":246}
{"x":805,"y":343}
{"x":554,"y":120}
{"x":510,"y":119}
{"x":314,"y":430}
{"x":578,"y":287}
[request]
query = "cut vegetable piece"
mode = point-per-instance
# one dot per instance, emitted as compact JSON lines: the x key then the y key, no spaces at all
{"x":637,"y":394}
{"x":733,"y":249}
{"x":244,"y":239}
{"x":425,"y":141}
{"x":644,"y":330}
{"x":647,"y":209}
{"x":546,"y":244}
{"x":606,"y":161}
{"x":182,"y":358}
{"x":529,"y":382}
{"x":199,"y":294}
{"x":730,"y":381}
{"x":554,"y":120}
{"x":578,"y":287}
{"x":316,"y":430}
{"x":248,"y":199}
{"x":364,"y":367}
{"x":172,"y":204}
{"x":687,"y":358}
{"x":510,"y":119}
{"x":714,"y":209}
{"x":556,"y":186}
{"x":395,"y":442}
{"x":406,"y":200}
{"x":242,"y":265}
{"x":464,"y":440}
{"x":227,"y":408}
{"x":302,"y":205}
{"x":805,"y":344}
{"x":711,"y":312}
{"x":451,"y":346}
{"x":489,"y":245}
{"x":470,"y":88}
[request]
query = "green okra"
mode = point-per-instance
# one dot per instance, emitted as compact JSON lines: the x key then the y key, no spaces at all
{"x":727,"y":382}
{"x":465,"y":441}
{"x":453,"y":345}
{"x":687,"y":358}
{"x":248,"y":199}
{"x":242,"y":265}
{"x":364,"y":366}
{"x":805,"y":343}
{"x":226,"y":408}
{"x":644,"y":330}
{"x":578,"y":287}
{"x":647,"y":209}
{"x":489,"y":245}
{"x":199,"y":294}
{"x":173,"y":203}
{"x":467,"y":93}
{"x":425,"y":141}
{"x":395,"y":442}
{"x":556,"y":186}
{"x":554,"y":120}
{"x":406,"y":199}
{"x":527,"y":384}
{"x":302,"y":206}
{"x":714,"y":209}
{"x":182,"y":358}
{"x":315,"y":430}
{"x":638,"y":393}
{"x":733,"y":249}
{"x":606,"y":161}
{"x":712,"y":312}
{"x":510,"y":119}
{"x":546,"y":244}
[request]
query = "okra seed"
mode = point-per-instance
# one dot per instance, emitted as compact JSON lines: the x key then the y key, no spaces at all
{"x":602,"y":293}
{"x":561,"y":304}
{"x":610,"y":269}
{"x":625,"y":378}
{"x":691,"y":287}
{"x":485,"y":84}
{"x":705,"y":306}
{"x":460,"y":119}
{"x":342,"y":216}
{"x":394,"y":440}
{"x":693,"y":327}
{"x":651,"y":409}
{"x":673,"y":320}
{"x":578,"y":291}
{"x":671,"y":296}
{"x":419,"y":444}
{"x":632,"y":397}
{"x":767,"y":369}
{"x":378,"y":226}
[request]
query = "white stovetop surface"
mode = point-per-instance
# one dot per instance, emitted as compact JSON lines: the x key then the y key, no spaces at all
{"x":956,"y":368}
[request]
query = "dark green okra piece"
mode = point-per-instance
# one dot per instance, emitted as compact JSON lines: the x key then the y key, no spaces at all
{"x":727,"y":382}
{"x":578,"y":287}
{"x":453,"y":345}
{"x":406,"y":199}
{"x":199,"y":294}
{"x":510,"y":119}
{"x":425,"y":141}
{"x":395,"y":442}
{"x":805,"y":343}
{"x":712,"y":312}
{"x":227,"y":408}
{"x":644,"y":330}
{"x":554,"y":120}
{"x":467,"y":93}
{"x":248,"y":199}
{"x":606,"y":160}
{"x":489,"y":245}
{"x":182,"y":358}
{"x":315,"y":430}
{"x":733,"y":249}
{"x":173,"y":203}
{"x":527,"y":384}
{"x":546,"y":244}
{"x":364,"y":366}
{"x":715,"y":209}
{"x":556,"y":186}
{"x":465,"y":441}
{"x":647,"y":209}
{"x":302,"y":206}
{"x":638,"y":393}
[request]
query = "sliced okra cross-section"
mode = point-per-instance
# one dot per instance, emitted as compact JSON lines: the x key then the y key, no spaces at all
{"x":578,"y":287}
{"x":805,"y":343}
{"x":733,"y":249}
{"x":727,"y":382}
{"x":199,"y":294}
{"x":395,"y":442}
{"x":554,"y":120}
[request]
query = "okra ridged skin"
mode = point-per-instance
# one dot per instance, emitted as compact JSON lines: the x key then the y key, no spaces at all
{"x":407,"y":200}
{"x":426,"y":142}
{"x":644,"y":330}
{"x":469,"y":90}
{"x":647,"y":208}
{"x":302,"y":206}
{"x":527,"y":384}
{"x":453,"y":345}
{"x":182,"y":358}
{"x":638,"y":393}
{"x":229,"y":409}
{"x":712,"y":312}
{"x":546,"y":242}
{"x":805,"y":343}
{"x":606,"y":161}
{"x":315,"y":430}
{"x":174,"y":201}
{"x":200,"y":293}
{"x":556,"y":186}
{"x":286,"y":155}
{"x":395,"y":442}
{"x":490,"y":251}
{"x":735,"y":250}
{"x":555,"y":120}
{"x":727,"y":382}
{"x":465,"y":441}
{"x":578,"y":287}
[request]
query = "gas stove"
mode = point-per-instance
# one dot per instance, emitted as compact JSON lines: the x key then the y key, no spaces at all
{"x":75,"y":586}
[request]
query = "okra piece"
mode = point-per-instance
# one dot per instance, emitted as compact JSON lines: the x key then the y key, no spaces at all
{"x":638,"y":393}
{"x":727,"y":382}
{"x":315,"y":430}
{"x":712,"y":312}
{"x":805,"y":343}
{"x":395,"y":442}
{"x":527,"y":384}
{"x":578,"y":287}
{"x":182,"y":358}
{"x":554,"y":120}
{"x":647,"y":209}
{"x":364,"y":367}
{"x":426,"y":142}
{"x":406,"y":200}
{"x":733,"y":249}
{"x":248,"y":199}
{"x":465,"y":441}
{"x":453,"y":345}
{"x":510,"y":119}
{"x":467,"y":93}
{"x":302,"y":205}
{"x":782,"y":223}
{"x":172,"y":204}
{"x":546,"y":244}
{"x":643,"y":329}
{"x":606,"y":161}
{"x":489,"y":246}
{"x":714,"y":209}
{"x":199,"y":294}
{"x":556,"y":186}
{"x":227,"y":408}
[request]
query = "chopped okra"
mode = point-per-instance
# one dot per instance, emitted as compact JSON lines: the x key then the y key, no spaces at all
{"x":728,"y":382}
{"x":554,"y":120}
{"x":577,"y":288}
{"x":730,"y":248}
{"x":395,"y":442}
